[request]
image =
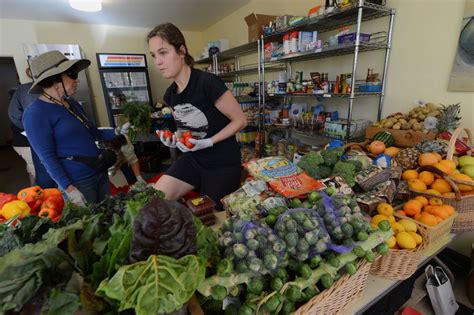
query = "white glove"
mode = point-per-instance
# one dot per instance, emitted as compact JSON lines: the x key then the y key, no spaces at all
{"x":198,"y":144}
{"x":76,"y":197}
{"x":171,"y":143}
{"x":123,"y":130}
{"x":140,"y":180}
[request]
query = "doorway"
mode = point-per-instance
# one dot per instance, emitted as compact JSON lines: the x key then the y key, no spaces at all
{"x":8,"y":84}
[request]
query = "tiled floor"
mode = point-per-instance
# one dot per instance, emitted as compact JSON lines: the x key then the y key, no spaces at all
{"x":13,"y":176}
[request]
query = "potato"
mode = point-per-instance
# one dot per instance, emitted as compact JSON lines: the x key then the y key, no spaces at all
{"x":412,"y":121}
{"x":406,"y":126}
{"x":397,"y":126}
{"x":388,"y":124}
{"x":422,"y":117}
{"x":402,"y":121}
{"x":414,"y":115}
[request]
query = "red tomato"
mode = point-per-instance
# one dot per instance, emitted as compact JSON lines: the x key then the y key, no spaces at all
{"x":181,"y":140}
{"x":188,"y":144}
{"x":186,"y":134}
{"x":167,"y":134}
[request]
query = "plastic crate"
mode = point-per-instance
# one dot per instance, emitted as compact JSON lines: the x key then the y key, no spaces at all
{"x":370,"y":88}
{"x":351,"y":37}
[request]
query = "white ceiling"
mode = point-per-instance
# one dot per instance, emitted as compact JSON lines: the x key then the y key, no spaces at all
{"x":190,"y":15}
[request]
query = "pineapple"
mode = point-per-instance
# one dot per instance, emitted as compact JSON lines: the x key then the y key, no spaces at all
{"x":449,"y":117}
{"x":439,"y":146}
{"x":408,"y":158}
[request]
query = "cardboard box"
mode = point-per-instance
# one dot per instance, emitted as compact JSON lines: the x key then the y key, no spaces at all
{"x":256,"y":22}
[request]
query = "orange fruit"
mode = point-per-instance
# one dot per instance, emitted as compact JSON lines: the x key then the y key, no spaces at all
{"x":423,"y":200}
{"x":427,"y":159}
{"x":449,"y":164}
{"x":428,"y":219}
{"x":417,"y":185}
{"x":439,"y":219}
{"x":442,"y":167}
{"x":427,"y":177}
{"x":401,"y":212}
{"x":438,"y":156}
{"x":430,"y":209}
{"x":449,"y":194}
{"x":466,"y":178}
{"x":441,"y":212}
{"x":432,"y":191}
{"x":410,"y":174}
{"x":385,"y":209}
{"x":412,"y":207}
{"x":441,"y":185}
{"x":392,"y":151}
{"x":448,"y":208}
{"x":417,"y":216}
{"x":435,"y":201}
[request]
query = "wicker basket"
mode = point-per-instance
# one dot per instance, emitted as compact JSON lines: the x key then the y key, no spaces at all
{"x":464,"y":204}
{"x":399,"y":264}
{"x":336,"y":299}
{"x":434,"y":236}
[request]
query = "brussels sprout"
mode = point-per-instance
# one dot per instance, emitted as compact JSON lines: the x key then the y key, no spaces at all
{"x":250,"y":234}
{"x":295,"y":203}
{"x":231,"y":309}
{"x":302,"y":256}
{"x":382,"y":248}
{"x":252,"y":244}
{"x":330,"y":190}
{"x":337,"y":235}
{"x":279,"y":246}
{"x":288,"y":308}
{"x":218,"y":292}
{"x":293,"y":294}
{"x":252,"y":253}
{"x":270,"y":262}
{"x":334,"y":261}
{"x":239,"y":237}
{"x":358,"y":251}
{"x":293,"y":264}
{"x":228,"y":241}
{"x":272,"y":238}
{"x":235,"y":291}
{"x":241,"y":267}
{"x":227,"y":226}
{"x":262,"y":241}
{"x":311,"y":291}
{"x":321,"y":246}
{"x":348,"y":242}
{"x":315,"y":261}
{"x":321,"y":211}
{"x":255,"y":264}
{"x":291,"y":239}
{"x":225,"y":267}
{"x":240,"y":250}
{"x":280,"y":228}
{"x":306,"y":205}
{"x":246,"y":309}
{"x":213,"y":305}
{"x":384,"y":225}
{"x":344,"y":220}
{"x":308,"y":225}
{"x":347,"y":230}
{"x":291,"y":225}
{"x":282,"y":274}
{"x":351,"y":268}
{"x":276,"y":284}
{"x":362,"y":236}
{"x":311,"y":237}
{"x":327,"y":280}
{"x":262,"y":231}
{"x":255,"y":286}
{"x":313,"y":197}
{"x":329,"y":218}
{"x":276,"y":211}
{"x":302,"y":246}
{"x":369,"y":256}
{"x":229,"y":253}
{"x":357,"y":224}
{"x":339,"y":212}
{"x":273,"y":303}
{"x":305,"y":271}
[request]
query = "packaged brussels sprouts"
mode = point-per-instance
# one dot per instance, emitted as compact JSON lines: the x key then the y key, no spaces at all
{"x":303,"y":232}
{"x":252,"y":247}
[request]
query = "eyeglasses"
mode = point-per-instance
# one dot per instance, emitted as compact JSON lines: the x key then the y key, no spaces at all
{"x":72,"y":74}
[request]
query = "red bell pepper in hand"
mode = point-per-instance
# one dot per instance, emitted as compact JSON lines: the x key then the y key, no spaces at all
{"x":6,"y":198}
{"x":52,"y":214}
{"x":33,"y":196}
{"x":55,"y":202}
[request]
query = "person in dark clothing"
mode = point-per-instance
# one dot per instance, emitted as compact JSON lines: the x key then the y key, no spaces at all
{"x":20,"y":100}
{"x":201,"y":104}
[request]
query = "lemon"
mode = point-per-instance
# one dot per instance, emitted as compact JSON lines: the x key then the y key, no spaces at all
{"x":405,"y":240}
{"x":417,"y":237}
{"x":392,"y":241}
{"x":397,"y":227}
{"x":410,"y":226}
{"x":391,"y":219}
{"x":377,"y":218}
{"x":385,"y":209}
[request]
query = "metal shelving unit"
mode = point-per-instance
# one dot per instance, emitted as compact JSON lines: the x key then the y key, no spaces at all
{"x":356,"y":13}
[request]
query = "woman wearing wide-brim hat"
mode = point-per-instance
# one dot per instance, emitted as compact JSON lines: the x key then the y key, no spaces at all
{"x":60,"y":132}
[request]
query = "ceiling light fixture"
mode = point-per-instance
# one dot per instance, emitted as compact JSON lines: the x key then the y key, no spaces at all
{"x":86,"y":5}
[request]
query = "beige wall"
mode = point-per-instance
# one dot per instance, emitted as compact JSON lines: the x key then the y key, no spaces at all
{"x":92,"y":39}
{"x":424,"y":44}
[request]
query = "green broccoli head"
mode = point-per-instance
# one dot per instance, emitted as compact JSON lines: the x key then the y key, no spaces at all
{"x":346,"y":170}
{"x":358,"y":164}
{"x":331,"y":157}
{"x":310,"y":160}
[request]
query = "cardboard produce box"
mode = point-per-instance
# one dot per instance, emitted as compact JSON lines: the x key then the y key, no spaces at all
{"x":403,"y":138}
{"x":256,"y":22}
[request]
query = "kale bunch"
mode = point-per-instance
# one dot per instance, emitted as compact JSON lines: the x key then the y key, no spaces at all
{"x":163,"y":227}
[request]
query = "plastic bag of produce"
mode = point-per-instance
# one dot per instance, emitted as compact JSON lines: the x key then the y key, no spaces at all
{"x":344,"y":221}
{"x":250,"y":247}
{"x":303,"y":232}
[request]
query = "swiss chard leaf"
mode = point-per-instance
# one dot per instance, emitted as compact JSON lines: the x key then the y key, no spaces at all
{"x":161,"y":284}
{"x":63,"y":303}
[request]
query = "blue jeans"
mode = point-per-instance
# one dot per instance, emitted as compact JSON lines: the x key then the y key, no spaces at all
{"x":94,"y":188}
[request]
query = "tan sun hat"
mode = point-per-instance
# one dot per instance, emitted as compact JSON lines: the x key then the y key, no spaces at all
{"x":52,"y":63}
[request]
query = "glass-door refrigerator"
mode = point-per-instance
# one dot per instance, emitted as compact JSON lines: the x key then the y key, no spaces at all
{"x":124,"y":79}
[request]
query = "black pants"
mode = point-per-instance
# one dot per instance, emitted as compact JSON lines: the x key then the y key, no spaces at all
{"x":215,"y":182}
